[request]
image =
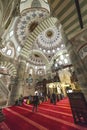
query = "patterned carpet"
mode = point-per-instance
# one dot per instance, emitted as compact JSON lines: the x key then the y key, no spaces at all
{"x":48,"y":117}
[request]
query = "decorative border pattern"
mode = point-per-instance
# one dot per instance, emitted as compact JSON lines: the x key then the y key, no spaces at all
{"x":21,"y":26}
{"x":50,"y":42}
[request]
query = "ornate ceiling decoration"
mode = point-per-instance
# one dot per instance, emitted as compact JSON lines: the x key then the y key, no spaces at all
{"x":50,"y":42}
{"x":27,"y":23}
{"x":49,"y":39}
{"x":46,"y":23}
{"x":36,"y":60}
{"x":10,"y":67}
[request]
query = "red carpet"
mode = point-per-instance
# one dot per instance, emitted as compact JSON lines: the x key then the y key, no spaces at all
{"x":48,"y":117}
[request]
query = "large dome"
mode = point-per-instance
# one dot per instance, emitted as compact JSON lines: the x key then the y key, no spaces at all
{"x":26,"y":23}
{"x":50,"y":38}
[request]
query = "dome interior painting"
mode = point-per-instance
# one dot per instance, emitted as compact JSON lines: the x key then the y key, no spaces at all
{"x":35,"y":36}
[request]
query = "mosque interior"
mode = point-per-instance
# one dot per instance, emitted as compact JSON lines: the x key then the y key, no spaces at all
{"x":42,"y":47}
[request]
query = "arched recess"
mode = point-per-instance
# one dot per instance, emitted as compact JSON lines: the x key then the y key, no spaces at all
{"x":41,"y":55}
{"x":10,"y":67}
{"x":56,"y":55}
{"x":31,"y":70}
{"x":48,"y":22}
{"x":9,"y":46}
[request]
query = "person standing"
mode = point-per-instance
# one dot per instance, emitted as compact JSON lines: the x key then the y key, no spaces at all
{"x":21,"y":99}
{"x":35,"y":102}
{"x":54,"y":98}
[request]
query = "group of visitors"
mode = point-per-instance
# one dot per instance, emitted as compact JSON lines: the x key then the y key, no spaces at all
{"x":31,"y":100}
{"x":19,"y":101}
{"x":56,"y":97}
{"x":37,"y":99}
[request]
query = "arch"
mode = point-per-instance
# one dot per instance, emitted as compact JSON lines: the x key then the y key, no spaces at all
{"x":11,"y":68}
{"x":41,"y":55}
{"x":9,"y":46}
{"x":48,"y":22}
{"x":57,"y":54}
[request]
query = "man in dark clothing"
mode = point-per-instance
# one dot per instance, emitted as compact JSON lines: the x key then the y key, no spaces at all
{"x":21,"y":100}
{"x":54,"y":98}
{"x":35,"y":102}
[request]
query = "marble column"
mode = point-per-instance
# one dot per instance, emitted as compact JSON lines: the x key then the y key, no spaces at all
{"x":18,"y":83}
{"x":77,"y":49}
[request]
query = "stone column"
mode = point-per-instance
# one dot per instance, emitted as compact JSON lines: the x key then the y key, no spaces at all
{"x":77,"y":48}
{"x":18,"y":82}
{"x":21,"y":76}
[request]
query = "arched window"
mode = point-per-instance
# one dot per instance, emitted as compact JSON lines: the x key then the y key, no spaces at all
{"x":9,"y":52}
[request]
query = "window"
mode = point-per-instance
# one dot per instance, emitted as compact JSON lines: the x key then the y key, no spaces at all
{"x":4,"y":49}
{"x":9,"y":52}
{"x":18,"y":48}
{"x":11,"y":33}
{"x":30,"y":71}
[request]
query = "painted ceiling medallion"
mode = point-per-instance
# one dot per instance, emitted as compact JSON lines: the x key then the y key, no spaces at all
{"x":49,"y":34}
{"x":28,"y":22}
{"x":49,"y":39}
